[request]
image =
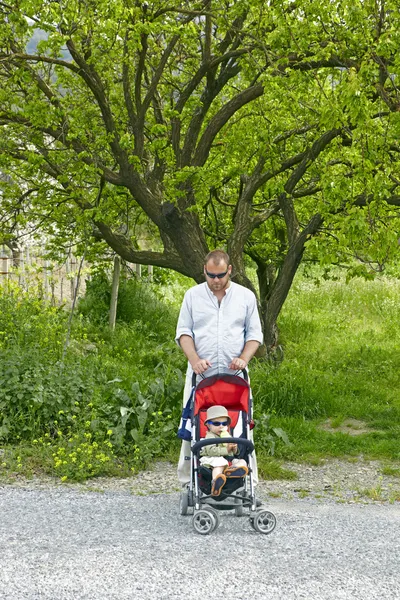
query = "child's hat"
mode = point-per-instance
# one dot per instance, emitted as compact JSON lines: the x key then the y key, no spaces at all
{"x":216,"y":412}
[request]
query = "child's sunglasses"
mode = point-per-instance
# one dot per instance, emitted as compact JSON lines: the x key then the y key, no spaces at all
{"x":217,"y":423}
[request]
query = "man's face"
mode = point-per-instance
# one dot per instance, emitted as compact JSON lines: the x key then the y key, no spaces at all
{"x":217,"y":284}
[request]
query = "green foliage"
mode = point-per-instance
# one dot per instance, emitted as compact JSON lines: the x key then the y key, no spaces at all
{"x":271,"y":469}
{"x":34,"y":386}
{"x":113,"y":394}
{"x":340,"y":361}
{"x":249,"y":119}
{"x":267,"y":435}
{"x":139,"y":303}
{"x":114,"y":404}
{"x":77,"y":456}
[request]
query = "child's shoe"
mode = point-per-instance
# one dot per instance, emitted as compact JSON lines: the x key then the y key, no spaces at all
{"x":236,"y":471}
{"x":217,"y":485}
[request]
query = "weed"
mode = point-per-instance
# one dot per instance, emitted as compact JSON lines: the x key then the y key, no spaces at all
{"x":394,"y":497}
{"x":391,"y":471}
{"x":271,"y":469}
{"x":374,"y":493}
{"x":303,"y":493}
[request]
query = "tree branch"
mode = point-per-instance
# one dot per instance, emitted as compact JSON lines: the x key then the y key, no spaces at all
{"x":123,"y":246}
{"x":310,"y":156}
{"x":39,"y":58}
{"x":93,"y":81}
{"x":59,"y":135}
{"x":127,"y":88}
{"x":221,"y":118}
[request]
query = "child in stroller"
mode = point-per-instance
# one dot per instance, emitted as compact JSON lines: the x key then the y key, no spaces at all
{"x":222,"y":458}
{"x":228,"y":488}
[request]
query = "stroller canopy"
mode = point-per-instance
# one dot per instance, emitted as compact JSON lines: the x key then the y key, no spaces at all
{"x":230,"y":391}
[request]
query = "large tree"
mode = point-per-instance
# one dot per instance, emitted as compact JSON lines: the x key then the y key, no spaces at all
{"x":270,"y":128}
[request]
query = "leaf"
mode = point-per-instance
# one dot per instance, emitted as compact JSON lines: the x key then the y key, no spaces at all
{"x":282,"y":435}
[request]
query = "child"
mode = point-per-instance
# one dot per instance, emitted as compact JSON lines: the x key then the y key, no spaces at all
{"x":219,"y":456}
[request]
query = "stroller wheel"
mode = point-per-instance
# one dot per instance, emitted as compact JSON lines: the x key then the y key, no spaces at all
{"x":215,"y":515}
{"x":204,"y":521}
{"x":184,"y":503}
{"x":263,"y":521}
{"x":239,"y":510}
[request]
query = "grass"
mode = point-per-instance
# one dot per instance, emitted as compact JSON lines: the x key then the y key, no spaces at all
{"x":341,"y":361}
{"x":271,"y":469}
{"x":390,"y":471}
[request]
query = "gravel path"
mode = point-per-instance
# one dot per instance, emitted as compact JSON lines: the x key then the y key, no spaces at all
{"x":63,"y":543}
{"x":337,"y":538}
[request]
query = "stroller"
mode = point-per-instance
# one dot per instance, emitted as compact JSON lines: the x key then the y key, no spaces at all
{"x":232,"y":392}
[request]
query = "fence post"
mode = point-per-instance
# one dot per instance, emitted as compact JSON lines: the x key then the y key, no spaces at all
{"x":73,"y":263}
{"x":3,"y":264}
{"x":46,"y":278}
{"x":114,"y":292}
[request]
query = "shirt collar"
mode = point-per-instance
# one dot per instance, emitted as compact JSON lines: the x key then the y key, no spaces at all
{"x":227,"y":291}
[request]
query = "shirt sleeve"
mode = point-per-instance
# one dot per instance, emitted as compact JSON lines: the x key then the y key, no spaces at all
{"x":253,"y":330}
{"x":185,"y":320}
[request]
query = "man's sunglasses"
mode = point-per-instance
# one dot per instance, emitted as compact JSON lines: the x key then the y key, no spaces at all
{"x":217,"y":423}
{"x":216,"y":275}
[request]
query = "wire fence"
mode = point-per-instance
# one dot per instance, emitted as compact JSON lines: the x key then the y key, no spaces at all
{"x":57,"y":282}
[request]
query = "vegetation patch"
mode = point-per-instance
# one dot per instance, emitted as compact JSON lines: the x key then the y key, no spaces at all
{"x":349,"y":426}
{"x":110,"y":403}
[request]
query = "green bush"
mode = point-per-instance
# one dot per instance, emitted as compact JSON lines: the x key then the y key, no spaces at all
{"x":129,"y":379}
{"x":137,"y":305}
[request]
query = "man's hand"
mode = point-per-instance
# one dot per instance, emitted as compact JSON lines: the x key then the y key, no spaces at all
{"x":238,"y":364}
{"x":200,"y":366}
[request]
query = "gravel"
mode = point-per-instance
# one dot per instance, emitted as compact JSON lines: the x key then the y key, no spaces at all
{"x":117,"y":539}
{"x":350,"y":481}
{"x":65,"y":544}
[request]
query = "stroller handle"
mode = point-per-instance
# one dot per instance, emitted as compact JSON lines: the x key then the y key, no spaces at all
{"x":244,"y":371}
{"x":225,"y":440}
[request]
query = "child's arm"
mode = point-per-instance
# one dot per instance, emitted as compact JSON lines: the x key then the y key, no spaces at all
{"x":232,"y":448}
{"x":216,"y":449}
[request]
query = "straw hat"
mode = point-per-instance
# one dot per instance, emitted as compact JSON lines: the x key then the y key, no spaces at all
{"x":216,"y":412}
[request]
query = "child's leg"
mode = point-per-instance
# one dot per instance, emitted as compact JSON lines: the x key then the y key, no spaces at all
{"x":217,"y":471}
{"x":218,"y":477}
{"x":238,"y":468}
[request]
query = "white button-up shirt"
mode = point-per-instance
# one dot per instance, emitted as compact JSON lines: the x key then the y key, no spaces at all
{"x":219,"y":331}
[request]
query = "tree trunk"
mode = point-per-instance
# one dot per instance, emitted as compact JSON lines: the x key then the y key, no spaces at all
{"x":272,"y":305}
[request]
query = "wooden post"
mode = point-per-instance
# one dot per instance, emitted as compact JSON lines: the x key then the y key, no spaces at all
{"x":46,"y":279}
{"x":3,"y":264}
{"x":72,"y":272}
{"x":150,"y":272}
{"x":114,"y":292}
{"x":27,"y":264}
{"x":138,"y":271}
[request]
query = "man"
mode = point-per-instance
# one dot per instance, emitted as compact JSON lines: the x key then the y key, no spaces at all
{"x":219,"y":331}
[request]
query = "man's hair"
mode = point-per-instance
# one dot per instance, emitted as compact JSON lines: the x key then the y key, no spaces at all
{"x":217,"y":256}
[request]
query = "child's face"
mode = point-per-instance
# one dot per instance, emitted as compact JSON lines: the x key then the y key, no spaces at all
{"x":218,"y":425}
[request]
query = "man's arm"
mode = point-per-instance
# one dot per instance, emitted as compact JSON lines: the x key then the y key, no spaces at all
{"x":249,"y":350}
{"x":198,"y":364}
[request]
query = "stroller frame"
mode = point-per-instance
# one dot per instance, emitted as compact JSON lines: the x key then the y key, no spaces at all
{"x":237,"y":494}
